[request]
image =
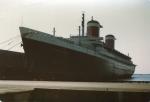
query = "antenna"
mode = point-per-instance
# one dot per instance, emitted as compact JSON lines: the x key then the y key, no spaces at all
{"x":128,"y":54}
{"x":92,"y":18}
{"x":83,"y":24}
{"x":54,"y":31}
{"x":79,"y":31}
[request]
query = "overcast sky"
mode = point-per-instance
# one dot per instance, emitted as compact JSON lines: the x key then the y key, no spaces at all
{"x":128,"y":20}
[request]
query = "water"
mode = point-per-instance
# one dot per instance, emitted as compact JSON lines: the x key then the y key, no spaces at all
{"x":141,"y":77}
{"x":137,"y":78}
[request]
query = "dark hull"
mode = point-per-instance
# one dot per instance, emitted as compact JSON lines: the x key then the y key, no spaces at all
{"x":13,"y":66}
{"x":52,"y":62}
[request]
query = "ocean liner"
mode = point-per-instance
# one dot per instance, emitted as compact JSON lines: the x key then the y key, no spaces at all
{"x":78,"y":58}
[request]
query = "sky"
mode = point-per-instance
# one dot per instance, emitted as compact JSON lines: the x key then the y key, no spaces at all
{"x":127,"y":20}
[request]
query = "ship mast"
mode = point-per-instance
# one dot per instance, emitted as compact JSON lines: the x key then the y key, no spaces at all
{"x":54,"y":31}
{"x":79,"y":31}
{"x":79,"y":34}
{"x":82,"y":24}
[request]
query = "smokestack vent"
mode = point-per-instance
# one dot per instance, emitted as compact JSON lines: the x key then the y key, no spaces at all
{"x":93,"y":28}
{"x":110,"y":41}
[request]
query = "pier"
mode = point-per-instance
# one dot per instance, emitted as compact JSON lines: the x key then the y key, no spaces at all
{"x":58,"y":91}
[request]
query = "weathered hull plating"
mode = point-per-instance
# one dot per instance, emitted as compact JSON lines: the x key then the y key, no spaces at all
{"x":52,"y":62}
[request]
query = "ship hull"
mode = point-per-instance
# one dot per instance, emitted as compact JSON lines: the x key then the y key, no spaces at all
{"x":48,"y":61}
